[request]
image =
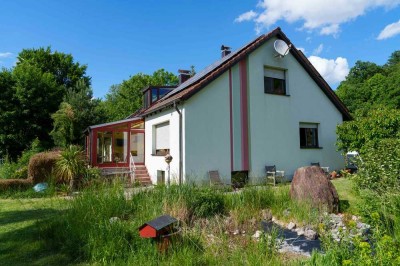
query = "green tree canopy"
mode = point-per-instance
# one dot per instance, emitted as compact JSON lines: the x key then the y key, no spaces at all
{"x":394,"y":59}
{"x":373,"y":126}
{"x":63,"y":130}
{"x":62,"y":66}
{"x":9,"y":141}
{"x":369,"y":85}
{"x":31,"y":92}
{"x":125,"y":98}
{"x":78,"y":111}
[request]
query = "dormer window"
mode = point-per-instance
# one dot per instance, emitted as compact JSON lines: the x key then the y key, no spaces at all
{"x":152,"y":94}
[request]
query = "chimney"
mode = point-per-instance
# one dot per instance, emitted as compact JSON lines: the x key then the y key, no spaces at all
{"x":183,"y":75}
{"x":225,"y":50}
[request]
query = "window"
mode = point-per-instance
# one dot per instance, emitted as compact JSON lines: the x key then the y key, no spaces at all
{"x":163,"y":91}
{"x":309,"y":135}
{"x":120,"y":147}
{"x":112,"y":147}
{"x":162,"y":139}
{"x":104,"y":147}
{"x":274,"y":81}
{"x":153,"y":94}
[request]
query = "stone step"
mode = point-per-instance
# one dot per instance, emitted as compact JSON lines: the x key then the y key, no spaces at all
{"x":143,"y":181}
{"x":142,"y":176}
{"x":144,"y":171}
{"x":146,"y":180}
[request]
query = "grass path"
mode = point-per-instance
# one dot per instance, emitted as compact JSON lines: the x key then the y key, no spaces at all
{"x":20,"y":242}
{"x":349,"y":201}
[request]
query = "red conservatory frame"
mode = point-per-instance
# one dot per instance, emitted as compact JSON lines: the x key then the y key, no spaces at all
{"x":129,"y":126}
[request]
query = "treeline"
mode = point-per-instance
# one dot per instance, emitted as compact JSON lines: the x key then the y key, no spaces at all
{"x":369,"y":85}
{"x":47,"y":97}
{"x":372,"y":94}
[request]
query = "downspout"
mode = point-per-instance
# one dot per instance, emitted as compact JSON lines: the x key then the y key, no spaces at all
{"x":180,"y":143}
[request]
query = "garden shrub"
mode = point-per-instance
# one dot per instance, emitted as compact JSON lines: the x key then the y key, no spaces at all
{"x":379,"y":166}
{"x":92,"y":175}
{"x":378,"y":183}
{"x":206,"y":203}
{"x":7,"y":169}
{"x":19,"y":169}
{"x":15,"y":184}
{"x":21,"y":173}
{"x":380,"y":249}
{"x":41,"y":166}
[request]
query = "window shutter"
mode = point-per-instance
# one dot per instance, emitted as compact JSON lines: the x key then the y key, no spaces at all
{"x":162,"y":136}
{"x":308,"y":125}
{"x":274,"y":73}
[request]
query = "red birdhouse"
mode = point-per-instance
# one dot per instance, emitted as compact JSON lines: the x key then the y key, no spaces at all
{"x":158,"y":227}
{"x":162,"y":230}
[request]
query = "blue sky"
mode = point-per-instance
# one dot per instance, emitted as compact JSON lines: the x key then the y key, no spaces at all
{"x":117,"y":39}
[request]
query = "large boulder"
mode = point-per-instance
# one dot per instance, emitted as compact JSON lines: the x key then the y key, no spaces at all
{"x":311,"y":184}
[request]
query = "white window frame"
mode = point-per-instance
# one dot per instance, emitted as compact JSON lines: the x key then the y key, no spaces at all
{"x":163,"y":148}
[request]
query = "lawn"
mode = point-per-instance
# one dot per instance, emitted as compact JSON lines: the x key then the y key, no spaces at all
{"x":20,"y":221}
{"x":349,"y":201}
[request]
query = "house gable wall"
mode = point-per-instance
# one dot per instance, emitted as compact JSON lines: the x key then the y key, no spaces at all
{"x":274,"y":119}
{"x":213,"y":123}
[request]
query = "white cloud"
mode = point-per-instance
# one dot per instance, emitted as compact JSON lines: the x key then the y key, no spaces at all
{"x":5,"y":55}
{"x":333,"y":70}
{"x":318,"y":50}
{"x":322,"y":16}
{"x":332,"y":29}
{"x":246,"y":16}
{"x":389,"y":31}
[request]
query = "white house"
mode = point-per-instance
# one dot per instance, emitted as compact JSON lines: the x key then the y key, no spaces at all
{"x":247,"y":110}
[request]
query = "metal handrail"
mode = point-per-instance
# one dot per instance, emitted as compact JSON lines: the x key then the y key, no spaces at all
{"x":132,"y":168}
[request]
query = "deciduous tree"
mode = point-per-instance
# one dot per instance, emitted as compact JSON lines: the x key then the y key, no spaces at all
{"x":125,"y":98}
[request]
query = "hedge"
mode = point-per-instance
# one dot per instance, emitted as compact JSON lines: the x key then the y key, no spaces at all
{"x":15,"y":184}
{"x":41,"y":166}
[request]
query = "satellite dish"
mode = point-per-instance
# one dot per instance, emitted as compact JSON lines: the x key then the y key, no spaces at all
{"x":281,"y":48}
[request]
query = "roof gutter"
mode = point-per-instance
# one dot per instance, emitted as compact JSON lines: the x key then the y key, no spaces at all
{"x":180,"y":143}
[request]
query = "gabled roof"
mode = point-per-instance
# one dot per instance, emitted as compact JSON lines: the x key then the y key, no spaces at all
{"x":160,"y":222}
{"x":213,"y":71}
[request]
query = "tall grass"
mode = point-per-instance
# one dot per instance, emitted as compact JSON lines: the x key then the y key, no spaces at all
{"x":86,"y":234}
{"x":248,"y":204}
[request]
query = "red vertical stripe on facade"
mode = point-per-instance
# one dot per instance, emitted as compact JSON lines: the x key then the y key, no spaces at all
{"x":244,"y":114}
{"x":94,"y":148}
{"x":230,"y":116}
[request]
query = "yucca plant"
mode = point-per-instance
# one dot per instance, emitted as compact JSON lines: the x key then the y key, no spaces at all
{"x":71,"y":166}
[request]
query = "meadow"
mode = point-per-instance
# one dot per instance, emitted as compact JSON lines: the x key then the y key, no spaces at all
{"x":54,"y":230}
